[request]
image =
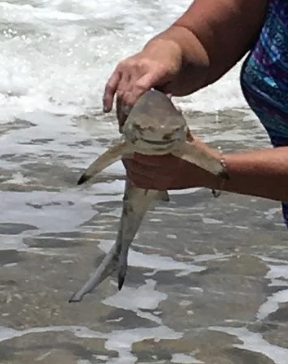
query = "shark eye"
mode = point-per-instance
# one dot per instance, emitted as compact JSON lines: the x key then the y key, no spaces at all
{"x":138,"y":127}
{"x":179,"y":128}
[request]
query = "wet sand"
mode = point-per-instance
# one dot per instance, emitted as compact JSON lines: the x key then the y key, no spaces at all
{"x":207,"y":280}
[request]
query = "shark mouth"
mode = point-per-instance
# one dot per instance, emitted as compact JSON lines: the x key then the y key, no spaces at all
{"x":159,"y":142}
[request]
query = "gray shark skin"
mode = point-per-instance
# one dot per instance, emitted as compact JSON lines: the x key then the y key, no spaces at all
{"x":153,"y":127}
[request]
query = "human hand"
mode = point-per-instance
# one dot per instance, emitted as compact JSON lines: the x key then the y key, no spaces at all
{"x":164,"y":172}
{"x":157,"y":66}
{"x":167,"y":172}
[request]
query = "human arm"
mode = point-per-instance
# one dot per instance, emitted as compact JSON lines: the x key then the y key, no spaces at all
{"x":203,"y":44}
{"x":262,"y":173}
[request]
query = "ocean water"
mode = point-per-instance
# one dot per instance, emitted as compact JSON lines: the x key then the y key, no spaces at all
{"x":207,"y":280}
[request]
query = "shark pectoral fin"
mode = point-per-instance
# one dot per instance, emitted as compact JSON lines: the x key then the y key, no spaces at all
{"x":112,"y":155}
{"x":204,"y":159}
{"x":129,"y":154}
{"x":162,"y":196}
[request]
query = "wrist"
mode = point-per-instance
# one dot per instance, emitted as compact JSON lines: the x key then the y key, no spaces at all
{"x":165,"y":50}
{"x":198,"y":177}
{"x":224,"y":178}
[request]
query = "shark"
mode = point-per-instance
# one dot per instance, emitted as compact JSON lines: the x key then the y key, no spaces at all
{"x":154,"y":126}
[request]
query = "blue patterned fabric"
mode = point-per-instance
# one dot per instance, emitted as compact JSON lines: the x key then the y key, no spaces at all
{"x":264,"y":77}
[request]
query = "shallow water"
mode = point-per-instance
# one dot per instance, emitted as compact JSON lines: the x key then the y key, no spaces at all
{"x":207,"y":280}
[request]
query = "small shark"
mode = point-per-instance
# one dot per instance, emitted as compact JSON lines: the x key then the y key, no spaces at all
{"x":153,"y":127}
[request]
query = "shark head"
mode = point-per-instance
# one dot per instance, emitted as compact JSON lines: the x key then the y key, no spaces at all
{"x":154,"y":123}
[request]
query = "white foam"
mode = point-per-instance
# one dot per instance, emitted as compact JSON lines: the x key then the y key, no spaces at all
{"x":186,"y":191}
{"x":154,"y":261}
{"x":278,"y":276}
{"x":254,"y":342}
{"x":57,"y":55}
{"x":18,"y":178}
{"x":184,"y":359}
{"x":272,"y":304}
{"x":270,"y":214}
{"x":120,"y":341}
{"x":123,"y":341}
{"x":79,"y":331}
{"x":210,"y":221}
{"x":137,"y":299}
{"x":277,"y":272}
{"x":142,"y":297}
{"x":53,"y":211}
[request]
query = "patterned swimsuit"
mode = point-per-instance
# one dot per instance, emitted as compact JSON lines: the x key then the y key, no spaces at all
{"x":264,"y":77}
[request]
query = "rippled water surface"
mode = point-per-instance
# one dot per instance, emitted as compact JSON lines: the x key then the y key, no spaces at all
{"x":207,"y":280}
